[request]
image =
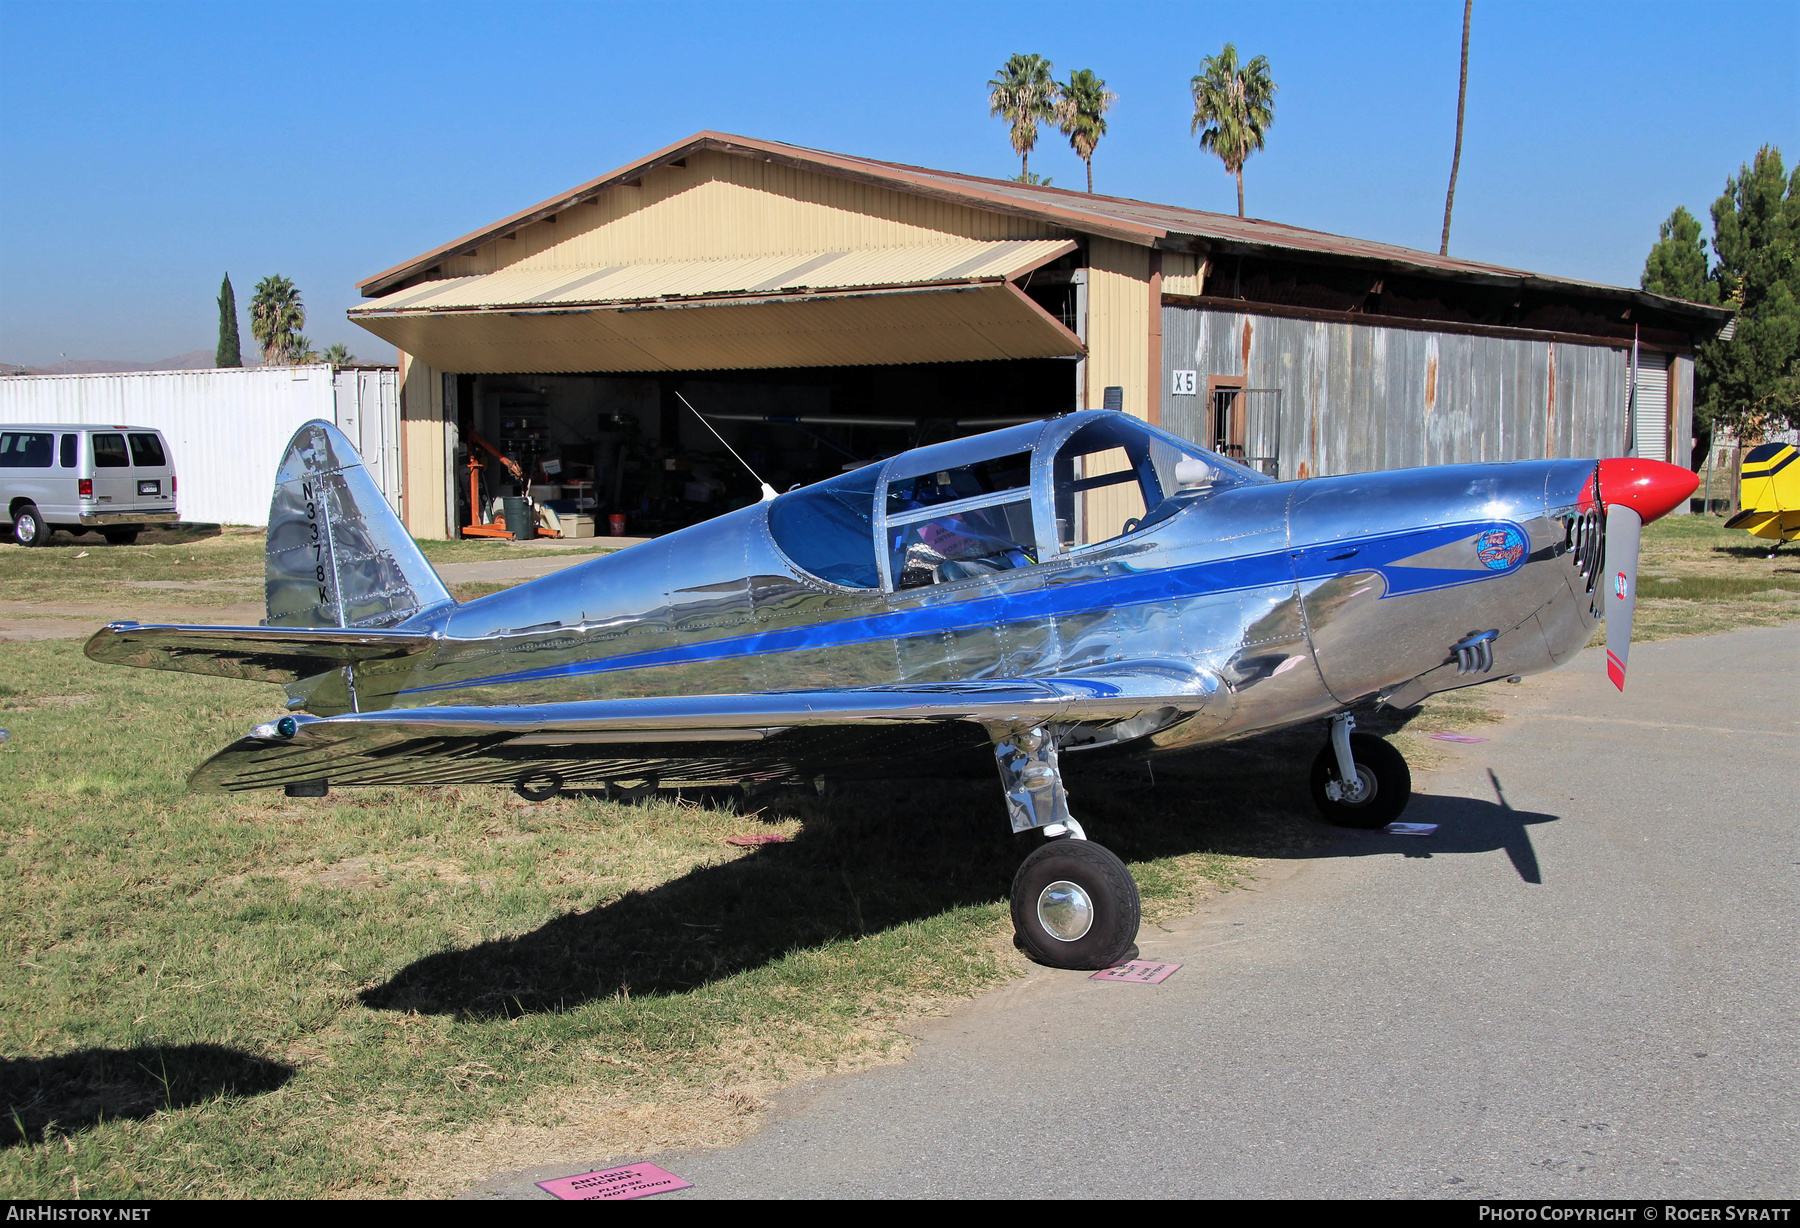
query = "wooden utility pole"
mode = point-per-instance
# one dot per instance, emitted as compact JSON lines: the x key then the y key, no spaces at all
{"x":1462,"y":94}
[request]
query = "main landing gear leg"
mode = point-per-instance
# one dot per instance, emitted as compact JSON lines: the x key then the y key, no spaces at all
{"x":1358,"y":780}
{"x":1074,"y":904}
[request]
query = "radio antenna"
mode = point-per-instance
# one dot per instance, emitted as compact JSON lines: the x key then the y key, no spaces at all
{"x":768,"y":491}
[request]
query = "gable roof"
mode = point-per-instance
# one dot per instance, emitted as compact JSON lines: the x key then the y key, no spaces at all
{"x":1114,"y":217}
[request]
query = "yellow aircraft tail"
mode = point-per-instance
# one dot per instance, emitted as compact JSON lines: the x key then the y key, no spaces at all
{"x":1770,"y":493}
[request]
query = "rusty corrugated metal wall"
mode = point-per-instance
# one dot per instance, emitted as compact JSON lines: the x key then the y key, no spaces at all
{"x":1358,"y":397}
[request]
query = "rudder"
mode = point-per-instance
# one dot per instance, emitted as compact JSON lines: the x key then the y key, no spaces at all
{"x":338,"y":556}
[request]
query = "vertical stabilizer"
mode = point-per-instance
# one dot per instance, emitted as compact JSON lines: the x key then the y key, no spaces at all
{"x":338,"y":556}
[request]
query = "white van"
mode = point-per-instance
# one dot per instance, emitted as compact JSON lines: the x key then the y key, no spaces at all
{"x":117,"y":479}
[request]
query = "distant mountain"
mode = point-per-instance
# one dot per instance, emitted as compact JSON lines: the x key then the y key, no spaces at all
{"x":193,"y":360}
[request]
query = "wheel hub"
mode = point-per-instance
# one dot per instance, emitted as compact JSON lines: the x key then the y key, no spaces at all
{"x":1065,"y":911}
{"x":1357,"y":792}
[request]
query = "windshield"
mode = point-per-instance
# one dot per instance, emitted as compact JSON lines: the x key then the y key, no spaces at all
{"x":828,"y":528}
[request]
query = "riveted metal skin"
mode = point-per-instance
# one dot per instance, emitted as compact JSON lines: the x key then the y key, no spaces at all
{"x":709,"y":656}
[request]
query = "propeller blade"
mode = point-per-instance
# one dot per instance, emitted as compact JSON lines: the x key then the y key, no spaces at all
{"x":1624,"y":527}
{"x":1634,"y":492}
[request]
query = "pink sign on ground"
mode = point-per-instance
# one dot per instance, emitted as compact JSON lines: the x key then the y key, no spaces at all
{"x":1137,"y":972}
{"x":747,"y":842}
{"x":632,"y":1181}
{"x":1456,"y":737}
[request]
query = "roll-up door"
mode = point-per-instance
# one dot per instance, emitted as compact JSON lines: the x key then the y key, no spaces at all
{"x":1650,"y":429}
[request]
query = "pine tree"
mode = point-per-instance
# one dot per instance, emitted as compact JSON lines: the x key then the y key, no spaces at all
{"x":1676,"y":266}
{"x":228,"y":354}
{"x":1752,"y":381}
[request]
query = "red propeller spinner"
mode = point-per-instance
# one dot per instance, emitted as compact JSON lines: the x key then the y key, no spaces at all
{"x":1651,"y":488}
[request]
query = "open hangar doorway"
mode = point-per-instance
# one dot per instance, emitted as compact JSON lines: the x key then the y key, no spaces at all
{"x":603,"y":444}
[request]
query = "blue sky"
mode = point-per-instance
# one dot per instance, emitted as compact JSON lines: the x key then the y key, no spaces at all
{"x":147,"y":148}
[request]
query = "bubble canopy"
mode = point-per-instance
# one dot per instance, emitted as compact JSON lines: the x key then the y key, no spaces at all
{"x":997,"y":502}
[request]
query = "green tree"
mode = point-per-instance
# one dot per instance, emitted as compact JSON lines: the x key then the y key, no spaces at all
{"x":1081,"y":106}
{"x":228,"y":353}
{"x":1023,"y":93}
{"x":1234,"y":106}
{"x":1751,"y":382}
{"x":1676,"y":266}
{"x":276,"y":317}
{"x":338,"y":355}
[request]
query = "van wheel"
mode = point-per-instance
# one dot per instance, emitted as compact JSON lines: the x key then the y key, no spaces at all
{"x":119,"y":537}
{"x":29,"y":528}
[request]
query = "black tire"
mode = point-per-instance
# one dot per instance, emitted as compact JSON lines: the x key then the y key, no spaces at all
{"x":1110,"y":889}
{"x":1386,"y":770}
{"x":29,"y":528}
{"x":119,"y":537}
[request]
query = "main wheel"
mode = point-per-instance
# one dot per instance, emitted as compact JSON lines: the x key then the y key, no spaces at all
{"x":29,"y":528}
{"x":1383,"y":785}
{"x":1075,"y":905}
{"x":119,"y":537}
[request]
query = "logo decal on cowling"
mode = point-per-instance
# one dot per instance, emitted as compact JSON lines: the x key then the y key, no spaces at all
{"x":1500,"y":549}
{"x":1619,"y":586}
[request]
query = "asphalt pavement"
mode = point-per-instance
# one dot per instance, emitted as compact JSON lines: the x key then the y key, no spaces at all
{"x":1582,"y":986}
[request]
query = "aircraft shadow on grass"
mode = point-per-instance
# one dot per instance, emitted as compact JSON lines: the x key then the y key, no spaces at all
{"x":873,"y":856}
{"x":72,"y":1091}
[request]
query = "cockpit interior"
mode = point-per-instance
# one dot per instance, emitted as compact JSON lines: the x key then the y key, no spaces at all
{"x":998,"y":502}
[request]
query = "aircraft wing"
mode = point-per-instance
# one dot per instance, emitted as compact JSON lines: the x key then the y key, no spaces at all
{"x":696,"y":739}
{"x":258,"y":654}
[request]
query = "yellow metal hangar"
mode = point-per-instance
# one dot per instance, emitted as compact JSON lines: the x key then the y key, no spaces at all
{"x":824,"y":309}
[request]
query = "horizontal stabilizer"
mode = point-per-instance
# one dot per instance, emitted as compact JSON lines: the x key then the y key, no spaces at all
{"x":259,"y":654}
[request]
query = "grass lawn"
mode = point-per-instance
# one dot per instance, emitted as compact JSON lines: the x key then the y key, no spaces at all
{"x":1696,"y":577}
{"x":393,"y":991}
{"x":405,"y":991}
{"x":210,"y":566}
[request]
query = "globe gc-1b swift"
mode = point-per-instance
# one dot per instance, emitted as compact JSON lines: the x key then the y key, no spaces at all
{"x":1084,"y":585}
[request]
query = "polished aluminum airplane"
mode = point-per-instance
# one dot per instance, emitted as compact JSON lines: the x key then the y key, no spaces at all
{"x":1084,"y":585}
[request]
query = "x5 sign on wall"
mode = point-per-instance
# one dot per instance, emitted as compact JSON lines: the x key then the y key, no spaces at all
{"x":1183,"y":384}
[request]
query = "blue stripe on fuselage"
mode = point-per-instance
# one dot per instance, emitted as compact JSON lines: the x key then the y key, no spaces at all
{"x":1140,"y":588}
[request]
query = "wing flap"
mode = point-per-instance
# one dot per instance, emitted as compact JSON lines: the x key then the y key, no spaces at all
{"x":257,"y":654}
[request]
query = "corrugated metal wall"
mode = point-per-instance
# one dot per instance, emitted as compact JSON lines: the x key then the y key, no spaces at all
{"x":1118,"y":325}
{"x":1357,"y":397}
{"x":226,"y":429}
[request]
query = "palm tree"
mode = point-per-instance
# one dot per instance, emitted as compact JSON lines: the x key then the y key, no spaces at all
{"x":1462,"y":94}
{"x":1022,"y":93}
{"x":1235,"y":106}
{"x":338,"y":355}
{"x":276,"y":317}
{"x":1081,"y":106}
